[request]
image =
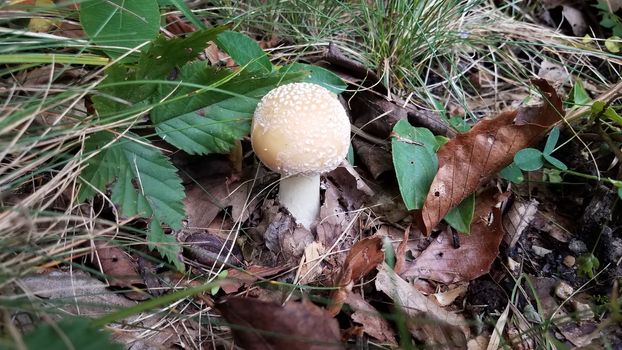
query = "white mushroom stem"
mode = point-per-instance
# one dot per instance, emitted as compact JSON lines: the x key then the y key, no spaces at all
{"x":301,"y":196}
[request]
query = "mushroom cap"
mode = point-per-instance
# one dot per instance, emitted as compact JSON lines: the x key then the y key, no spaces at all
{"x":300,"y":129}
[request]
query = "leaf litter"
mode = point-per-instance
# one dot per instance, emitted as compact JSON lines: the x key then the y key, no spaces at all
{"x":362,"y":217}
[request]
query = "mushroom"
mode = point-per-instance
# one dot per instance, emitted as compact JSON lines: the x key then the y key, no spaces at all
{"x":300,"y":130}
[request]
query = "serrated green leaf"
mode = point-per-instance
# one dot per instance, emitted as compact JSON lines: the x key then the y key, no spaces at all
{"x":415,"y":162}
{"x":318,"y":75}
{"x":579,"y":94}
{"x":244,"y":51}
{"x":119,"y":22}
{"x":555,"y":162}
{"x":529,"y":159}
{"x":211,"y":119}
{"x":145,"y":184}
{"x":551,"y":141}
{"x":165,"y":244}
{"x":512,"y":173}
{"x":70,"y":333}
{"x":166,"y":54}
{"x":461,"y":216}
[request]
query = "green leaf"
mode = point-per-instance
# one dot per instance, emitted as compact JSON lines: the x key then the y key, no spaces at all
{"x":555,"y":162}
{"x":145,"y":184}
{"x":552,"y":175}
{"x":318,"y":75}
{"x":587,"y":264}
{"x":70,"y":333}
{"x":551,"y":141}
{"x":613,"y":44}
{"x":512,"y":173}
{"x":579,"y":94}
{"x":620,"y":192}
{"x":613,"y":115}
{"x":120,"y":22}
{"x":350,"y":155}
{"x":529,"y":159}
{"x":415,"y":162}
{"x":460,"y":217}
{"x":211,"y":119}
{"x":244,"y":51}
{"x":166,"y":54}
{"x":136,"y":85}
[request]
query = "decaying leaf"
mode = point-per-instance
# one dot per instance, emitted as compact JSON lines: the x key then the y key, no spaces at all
{"x":518,"y":218}
{"x":204,"y":201}
{"x":443,"y":263}
{"x":259,"y":325}
{"x":118,"y":267}
{"x":470,"y":159}
{"x":238,"y":278}
{"x":373,"y":323}
{"x":362,"y":258}
{"x":334,"y":217}
{"x":211,"y":250}
{"x":441,"y":328}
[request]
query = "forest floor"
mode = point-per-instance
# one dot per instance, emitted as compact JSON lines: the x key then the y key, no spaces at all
{"x":478,"y":206}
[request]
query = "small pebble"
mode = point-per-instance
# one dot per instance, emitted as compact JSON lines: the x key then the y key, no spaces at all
{"x":578,"y":247}
{"x":584,"y":311}
{"x":569,"y":260}
{"x":540,"y":251}
{"x":563,"y":290}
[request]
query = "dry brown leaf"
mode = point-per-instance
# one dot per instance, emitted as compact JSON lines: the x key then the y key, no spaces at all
{"x":238,"y":278}
{"x":373,"y":323}
{"x":204,"y":201}
{"x":443,"y":263}
{"x":259,"y":325}
{"x":440,"y":328}
{"x":362,"y":258}
{"x":518,"y":218}
{"x":118,"y":267}
{"x":472,"y":158}
{"x":334,"y":218}
{"x":447,"y":298}
{"x":211,"y":250}
{"x":400,"y":252}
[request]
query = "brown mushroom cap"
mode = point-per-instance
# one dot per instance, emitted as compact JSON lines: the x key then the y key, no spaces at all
{"x":300,"y":129}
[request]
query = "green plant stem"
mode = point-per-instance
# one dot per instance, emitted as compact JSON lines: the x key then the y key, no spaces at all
{"x":91,"y":60}
{"x":616,"y":183}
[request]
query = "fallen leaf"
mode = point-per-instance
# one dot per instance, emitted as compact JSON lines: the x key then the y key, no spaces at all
{"x":211,"y":250}
{"x":205,"y":200}
{"x":238,"y":278}
{"x":373,"y":323}
{"x":447,"y":298}
{"x":400,"y":252}
{"x":119,"y":269}
{"x":471,"y":159}
{"x":309,"y":268}
{"x":518,"y":218}
{"x":362,"y":258}
{"x":441,"y":262}
{"x":334,"y":218}
{"x":575,"y":19}
{"x":553,"y":72}
{"x":75,"y":292}
{"x":440,"y":327}
{"x":259,"y":325}
{"x":376,"y":158}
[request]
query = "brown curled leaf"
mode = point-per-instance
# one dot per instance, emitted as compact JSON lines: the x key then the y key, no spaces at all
{"x":470,"y":159}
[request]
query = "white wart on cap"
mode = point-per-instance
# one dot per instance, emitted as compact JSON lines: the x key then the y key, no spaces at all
{"x":300,"y":129}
